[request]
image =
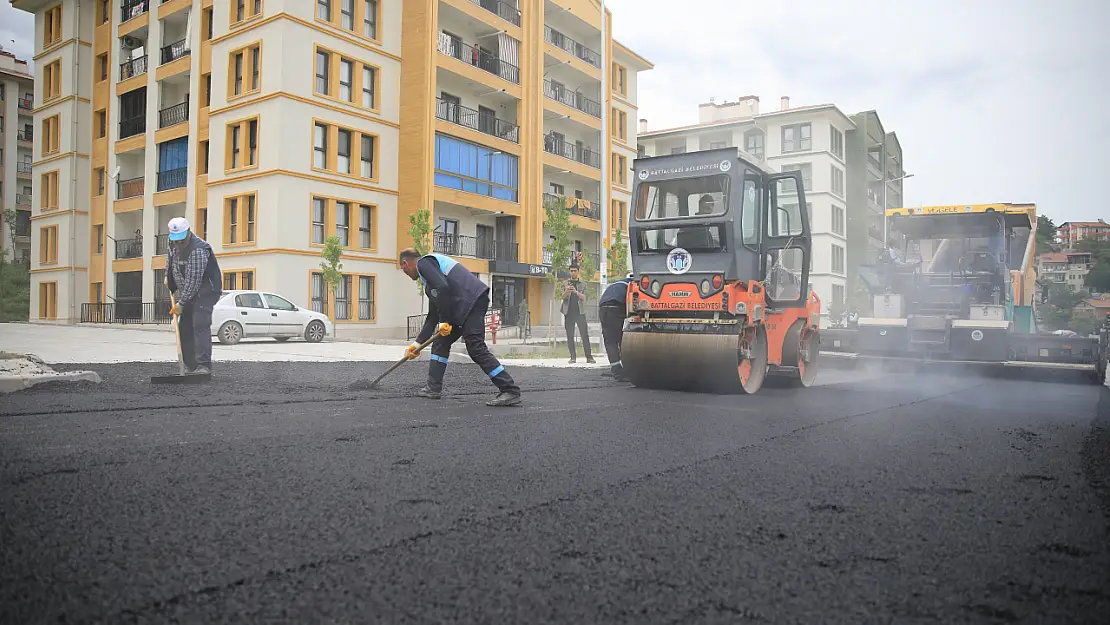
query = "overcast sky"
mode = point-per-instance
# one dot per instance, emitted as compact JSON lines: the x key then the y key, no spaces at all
{"x":992,"y":100}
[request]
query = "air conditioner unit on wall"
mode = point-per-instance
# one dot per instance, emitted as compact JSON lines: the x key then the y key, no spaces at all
{"x":130,"y":42}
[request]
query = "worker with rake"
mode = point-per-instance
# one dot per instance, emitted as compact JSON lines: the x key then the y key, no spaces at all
{"x":457,"y":302}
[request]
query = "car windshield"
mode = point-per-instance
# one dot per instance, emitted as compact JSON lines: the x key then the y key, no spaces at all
{"x":704,"y":196}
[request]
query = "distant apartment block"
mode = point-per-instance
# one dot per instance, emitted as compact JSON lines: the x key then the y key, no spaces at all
{"x":1070,"y":233}
{"x":1068,"y":269}
{"x":17,"y":139}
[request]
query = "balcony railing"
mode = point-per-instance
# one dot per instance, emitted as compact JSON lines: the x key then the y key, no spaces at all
{"x":23,"y":198}
{"x":129,"y":248}
{"x":474,"y":247}
{"x":874,"y":162}
{"x":127,"y":312}
{"x":503,"y":10}
{"x":547,"y":254}
{"x":23,"y":226}
{"x":26,"y":102}
{"x":573,"y":99}
{"x":478,"y":58}
{"x":133,"y":187}
{"x":561,"y":41}
{"x":22,"y":168}
{"x":132,"y":127}
{"x":580,"y":154}
{"x":25,"y":135}
{"x":174,"y":51}
{"x":132,"y":68}
{"x":172,"y":178}
{"x":162,"y":244}
{"x":590,"y":209}
{"x":133,"y":8}
{"x":476,"y":120}
{"x":173,"y":115}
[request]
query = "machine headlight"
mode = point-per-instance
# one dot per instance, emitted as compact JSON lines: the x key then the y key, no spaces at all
{"x":705,"y":287}
{"x":655,"y":288}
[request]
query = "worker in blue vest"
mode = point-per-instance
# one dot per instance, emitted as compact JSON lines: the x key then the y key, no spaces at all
{"x":612,"y":309}
{"x":458,"y":302}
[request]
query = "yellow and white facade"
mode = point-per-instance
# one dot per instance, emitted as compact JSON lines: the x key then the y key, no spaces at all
{"x":272,"y":124}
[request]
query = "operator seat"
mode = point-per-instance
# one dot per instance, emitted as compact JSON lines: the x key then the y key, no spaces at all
{"x":698,"y":237}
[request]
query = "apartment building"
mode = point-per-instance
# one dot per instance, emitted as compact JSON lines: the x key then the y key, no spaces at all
{"x":836,"y":155}
{"x":17,"y":135}
{"x":1068,"y":269}
{"x":274,"y":124}
{"x":1070,"y":233}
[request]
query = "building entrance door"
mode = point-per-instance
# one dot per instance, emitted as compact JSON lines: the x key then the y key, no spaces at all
{"x":508,"y":293}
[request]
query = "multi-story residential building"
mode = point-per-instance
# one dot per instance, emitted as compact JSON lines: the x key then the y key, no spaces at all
{"x":17,"y":136}
{"x":836,"y":154}
{"x":274,"y":125}
{"x":1071,"y":232}
{"x":1064,"y":268}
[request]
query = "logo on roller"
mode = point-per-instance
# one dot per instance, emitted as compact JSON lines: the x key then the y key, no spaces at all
{"x":977,"y":335}
{"x":678,"y":261}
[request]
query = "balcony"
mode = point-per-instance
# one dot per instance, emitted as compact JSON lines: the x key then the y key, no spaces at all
{"x":133,"y":187}
{"x":25,"y":135}
{"x":503,"y":10}
{"x":573,"y":99}
{"x":590,"y":209}
{"x":132,"y":68}
{"x":173,"y":115}
{"x":561,"y":41}
{"x":132,"y":127}
{"x":174,"y":51}
{"x":23,"y":168}
{"x":579,"y":154}
{"x":23,"y":224}
{"x":547,"y":257}
{"x":172,"y":178}
{"x":129,"y":248}
{"x":474,"y":247}
{"x":161,"y":244}
{"x":131,"y":9}
{"x":26,"y":102}
{"x":474,"y":120}
{"x":478,"y":58}
{"x":23,"y":199}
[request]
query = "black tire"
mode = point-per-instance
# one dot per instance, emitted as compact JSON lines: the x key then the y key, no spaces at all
{"x":230,"y":333}
{"x":314,"y":332}
{"x":281,"y":339}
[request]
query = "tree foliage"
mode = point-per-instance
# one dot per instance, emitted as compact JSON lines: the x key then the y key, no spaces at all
{"x":15,"y":277}
{"x":559,"y":226}
{"x":331,"y":266}
{"x":420,"y":229}
{"x":618,"y":257}
{"x":859,"y":298}
{"x":586,"y":267}
{"x":1046,"y":234}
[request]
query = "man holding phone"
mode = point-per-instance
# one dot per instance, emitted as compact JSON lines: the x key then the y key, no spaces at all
{"x":574,"y":313}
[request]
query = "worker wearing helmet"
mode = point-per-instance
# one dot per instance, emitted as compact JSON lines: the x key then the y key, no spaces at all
{"x":612,"y":309}
{"x":193,"y":276}
{"x":459,"y":300}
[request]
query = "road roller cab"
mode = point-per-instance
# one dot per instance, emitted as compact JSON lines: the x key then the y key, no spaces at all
{"x":720,"y":258}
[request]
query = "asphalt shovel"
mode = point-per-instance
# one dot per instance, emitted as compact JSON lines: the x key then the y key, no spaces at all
{"x":182,"y":377}
{"x":374,"y":384}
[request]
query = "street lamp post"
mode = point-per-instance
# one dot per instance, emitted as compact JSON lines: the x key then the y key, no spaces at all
{"x":608,"y":156}
{"x":886,"y":182}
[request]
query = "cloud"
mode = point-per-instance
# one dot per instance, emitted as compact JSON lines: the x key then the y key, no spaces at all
{"x":992,"y":100}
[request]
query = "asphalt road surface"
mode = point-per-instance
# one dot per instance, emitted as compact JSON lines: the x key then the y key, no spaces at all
{"x":278,"y":494}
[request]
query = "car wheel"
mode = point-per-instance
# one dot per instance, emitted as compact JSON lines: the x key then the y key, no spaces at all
{"x":314,"y":333}
{"x":230,"y":333}
{"x":281,"y":339}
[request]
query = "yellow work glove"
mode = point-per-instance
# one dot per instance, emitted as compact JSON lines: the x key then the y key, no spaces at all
{"x":175,"y":310}
{"x":412,"y":351}
{"x":444,"y":329}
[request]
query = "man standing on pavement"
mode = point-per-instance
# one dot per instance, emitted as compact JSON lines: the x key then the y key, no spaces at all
{"x":459,"y":300}
{"x":194,"y":277}
{"x":574,"y":313}
{"x":612,"y":309}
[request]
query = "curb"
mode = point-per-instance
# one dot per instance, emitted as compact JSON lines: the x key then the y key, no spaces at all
{"x":13,"y":383}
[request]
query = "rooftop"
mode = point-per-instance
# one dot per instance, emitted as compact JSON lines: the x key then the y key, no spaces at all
{"x":751,"y":115}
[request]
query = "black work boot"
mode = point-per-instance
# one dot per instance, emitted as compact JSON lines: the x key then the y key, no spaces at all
{"x":505,"y":399}
{"x":428,"y":393}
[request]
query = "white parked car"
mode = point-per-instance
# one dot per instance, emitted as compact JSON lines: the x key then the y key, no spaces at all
{"x":241,"y":314}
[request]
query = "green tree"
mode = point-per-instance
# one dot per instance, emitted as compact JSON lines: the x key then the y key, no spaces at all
{"x":1046,"y":233}
{"x":860,"y":298}
{"x":1098,"y":279}
{"x":15,"y":279}
{"x":333,"y":269}
{"x":1060,"y":296}
{"x":420,"y":229}
{"x":586,"y":267}
{"x":1084,"y":323}
{"x":836,"y":312}
{"x":618,"y":257}
{"x":558,"y":225}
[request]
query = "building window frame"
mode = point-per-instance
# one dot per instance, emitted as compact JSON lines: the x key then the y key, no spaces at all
{"x":801,"y":137}
{"x":837,"y":214}
{"x":620,"y":79}
{"x":52,"y":81}
{"x":836,"y":142}
{"x":836,"y":181}
{"x":239,"y":280}
{"x":837,"y":259}
{"x":244,"y":71}
{"x":357,"y":211}
{"x":48,"y":245}
{"x":48,"y":300}
{"x":51,"y":134}
{"x":241,"y":220}
{"x":334,"y":9}
{"x":243,"y":11}
{"x":242,"y":139}
{"x":52,"y":26}
{"x":330,"y":150}
{"x":49,"y":191}
{"x":359,"y":305}
{"x":332,"y":81}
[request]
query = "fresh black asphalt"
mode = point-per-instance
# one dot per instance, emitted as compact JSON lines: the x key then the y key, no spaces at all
{"x":280,"y":494}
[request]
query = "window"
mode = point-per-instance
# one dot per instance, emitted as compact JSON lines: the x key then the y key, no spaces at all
{"x":48,"y":245}
{"x":242,"y":280}
{"x":52,"y":26}
{"x":103,"y":11}
{"x":807,"y":174}
{"x":48,"y":191}
{"x":99,"y":176}
{"x":202,"y":221}
{"x":716,"y":145}
{"x":98,"y":239}
{"x":620,"y":79}
{"x":366,"y":290}
{"x":102,"y":65}
{"x":620,"y":121}
{"x":51,"y":134}
{"x":836,"y":142}
{"x":347,"y":14}
{"x":101,"y":124}
{"x":202,"y":166}
{"x":620,"y":209}
{"x":837,"y":219}
{"x":52,"y":81}
{"x":837,"y":294}
{"x":48,"y":300}
{"x":620,"y":170}
{"x":475,"y":168}
{"x":350,"y":146}
{"x":837,"y":259}
{"x":352,"y":77}
{"x":243,"y":300}
{"x":319,"y":294}
{"x":206,"y":97}
{"x":355,"y":16}
{"x":796,"y":138}
{"x":239,"y":219}
{"x":243,"y":62}
{"x":242,"y":136}
{"x":353,"y":222}
{"x":753,"y":143}
{"x":206,"y":24}
{"x":323,"y":10}
{"x":242,"y":10}
{"x":370,"y":19}
{"x":97,"y":293}
{"x":837,"y":176}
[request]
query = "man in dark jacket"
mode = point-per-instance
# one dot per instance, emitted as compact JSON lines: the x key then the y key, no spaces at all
{"x":612,"y":309}
{"x":574,"y":313}
{"x":458,"y":299}
{"x":194,"y":277}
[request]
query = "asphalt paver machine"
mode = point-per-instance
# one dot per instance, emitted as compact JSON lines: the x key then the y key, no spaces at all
{"x":720,"y":257}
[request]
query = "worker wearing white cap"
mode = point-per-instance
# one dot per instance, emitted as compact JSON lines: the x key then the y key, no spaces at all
{"x":194,"y":278}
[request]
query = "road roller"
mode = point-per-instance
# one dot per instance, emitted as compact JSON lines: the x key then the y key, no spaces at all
{"x":720,"y":257}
